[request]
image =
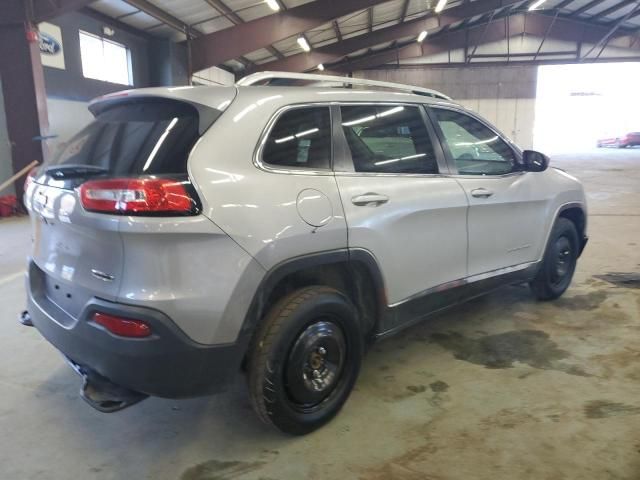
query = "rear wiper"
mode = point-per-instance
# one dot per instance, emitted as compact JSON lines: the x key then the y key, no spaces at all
{"x":71,"y":171}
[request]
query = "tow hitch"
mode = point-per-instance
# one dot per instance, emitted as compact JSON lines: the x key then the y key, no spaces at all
{"x":97,"y":391}
{"x":101,"y":393}
{"x":25,"y":319}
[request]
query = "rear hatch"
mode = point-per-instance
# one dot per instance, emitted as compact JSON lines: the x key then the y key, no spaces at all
{"x":131,"y":160}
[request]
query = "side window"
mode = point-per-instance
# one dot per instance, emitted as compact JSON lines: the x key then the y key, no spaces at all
{"x":476,"y":149}
{"x":388,"y":139}
{"x":301,"y":137}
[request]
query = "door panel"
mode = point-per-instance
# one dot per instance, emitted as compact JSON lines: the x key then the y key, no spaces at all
{"x":507,"y":207}
{"x":507,"y":227}
{"x":418,"y":236}
{"x":396,"y":204}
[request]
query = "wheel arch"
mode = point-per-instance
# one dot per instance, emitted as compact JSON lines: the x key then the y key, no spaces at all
{"x":355,"y":273}
{"x":575,"y":212}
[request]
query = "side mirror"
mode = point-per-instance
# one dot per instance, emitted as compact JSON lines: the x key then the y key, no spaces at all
{"x":534,"y":161}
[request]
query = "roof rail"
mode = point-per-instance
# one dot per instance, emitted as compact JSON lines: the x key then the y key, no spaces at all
{"x":260,"y":77}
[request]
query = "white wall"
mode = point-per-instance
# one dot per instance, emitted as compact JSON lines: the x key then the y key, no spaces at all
{"x":66,"y":118}
{"x":214,"y":76}
{"x":503,"y":95}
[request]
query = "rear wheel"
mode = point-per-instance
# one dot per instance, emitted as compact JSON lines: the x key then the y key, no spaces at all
{"x":305,"y":359}
{"x":559,"y":262}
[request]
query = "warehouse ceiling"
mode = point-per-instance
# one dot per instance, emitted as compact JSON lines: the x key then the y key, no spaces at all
{"x":250,"y":35}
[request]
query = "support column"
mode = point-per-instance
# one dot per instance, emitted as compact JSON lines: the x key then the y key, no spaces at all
{"x":23,"y":88}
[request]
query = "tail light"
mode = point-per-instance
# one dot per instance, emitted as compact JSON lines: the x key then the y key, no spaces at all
{"x":137,"y":196}
{"x":124,"y":327}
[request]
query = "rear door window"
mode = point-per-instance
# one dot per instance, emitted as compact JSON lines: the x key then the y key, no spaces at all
{"x":146,"y":137}
{"x":300,"y":138}
{"x":388,"y":139}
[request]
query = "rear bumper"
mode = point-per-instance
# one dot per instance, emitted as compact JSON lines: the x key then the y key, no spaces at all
{"x":166,"y":364}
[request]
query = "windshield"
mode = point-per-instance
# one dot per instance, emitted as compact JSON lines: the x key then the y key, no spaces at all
{"x":149,"y":137}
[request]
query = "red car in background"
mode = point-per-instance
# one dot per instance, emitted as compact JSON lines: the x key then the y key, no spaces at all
{"x":628,"y":140}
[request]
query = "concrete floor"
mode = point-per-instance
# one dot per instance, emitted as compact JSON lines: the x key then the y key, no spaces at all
{"x":503,"y":387}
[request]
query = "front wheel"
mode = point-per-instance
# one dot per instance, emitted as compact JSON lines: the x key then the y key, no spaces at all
{"x":305,"y":359}
{"x":559,"y":262}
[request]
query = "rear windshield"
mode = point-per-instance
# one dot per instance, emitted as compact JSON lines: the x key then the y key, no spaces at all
{"x":142,"y":138}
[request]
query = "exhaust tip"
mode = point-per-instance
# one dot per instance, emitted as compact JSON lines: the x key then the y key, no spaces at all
{"x":25,"y":319}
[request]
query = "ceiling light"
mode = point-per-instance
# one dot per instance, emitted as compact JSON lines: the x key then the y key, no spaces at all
{"x":273,"y":5}
{"x":304,"y":44}
{"x":440,"y":5}
{"x":422,"y":36}
{"x":536,"y":4}
{"x":321,"y":67}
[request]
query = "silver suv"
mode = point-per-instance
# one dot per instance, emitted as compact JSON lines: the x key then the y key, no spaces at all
{"x":278,"y":227}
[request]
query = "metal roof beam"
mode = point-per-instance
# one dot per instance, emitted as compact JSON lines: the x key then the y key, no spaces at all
{"x":233,"y":17}
{"x":47,"y":9}
{"x":481,"y":39}
{"x":229,"y":43}
{"x":585,"y":8}
{"x":605,"y":39}
{"x":546,"y":34}
{"x":227,"y":12}
{"x":115,"y":22}
{"x":563,"y":4}
{"x":529,"y":24}
{"x":336,"y":30}
{"x":335,"y":51}
{"x":175,"y":23}
{"x":166,"y":18}
{"x":405,"y":9}
{"x":614,"y":8}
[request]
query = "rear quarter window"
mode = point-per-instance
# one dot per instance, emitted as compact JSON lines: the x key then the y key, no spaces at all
{"x":300,"y":138}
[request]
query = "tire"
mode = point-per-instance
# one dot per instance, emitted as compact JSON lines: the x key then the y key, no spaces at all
{"x":304,"y":360}
{"x":559,"y":262}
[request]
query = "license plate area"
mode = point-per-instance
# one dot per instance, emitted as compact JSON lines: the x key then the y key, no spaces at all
{"x":64,"y":295}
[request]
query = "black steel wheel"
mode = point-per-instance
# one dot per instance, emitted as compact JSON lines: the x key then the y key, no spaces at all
{"x":559,"y":262}
{"x":315,"y":364}
{"x":304,"y":359}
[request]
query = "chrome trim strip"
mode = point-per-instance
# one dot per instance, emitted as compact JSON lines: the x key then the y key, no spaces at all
{"x":381,"y":174}
{"x":257,"y":156}
{"x":101,"y":275}
{"x":493,"y":273}
{"x":465,"y":281}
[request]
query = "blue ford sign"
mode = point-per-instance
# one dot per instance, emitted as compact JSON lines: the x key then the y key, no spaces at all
{"x":48,"y":44}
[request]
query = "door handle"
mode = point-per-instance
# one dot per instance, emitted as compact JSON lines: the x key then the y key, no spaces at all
{"x":372,"y":199}
{"x":481,"y":193}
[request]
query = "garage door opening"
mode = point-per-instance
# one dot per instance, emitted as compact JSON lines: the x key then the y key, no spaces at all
{"x":578,"y":105}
